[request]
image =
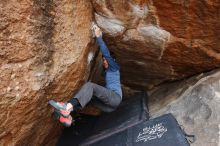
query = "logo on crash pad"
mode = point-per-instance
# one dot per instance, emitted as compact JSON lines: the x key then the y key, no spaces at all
{"x":151,"y":132}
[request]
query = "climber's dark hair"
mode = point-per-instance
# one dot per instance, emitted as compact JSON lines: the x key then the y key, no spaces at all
{"x":112,"y":55}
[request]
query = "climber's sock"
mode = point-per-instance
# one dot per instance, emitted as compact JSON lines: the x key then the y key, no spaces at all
{"x":75,"y":103}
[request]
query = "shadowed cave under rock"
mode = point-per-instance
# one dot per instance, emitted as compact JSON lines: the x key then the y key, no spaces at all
{"x":169,"y":49}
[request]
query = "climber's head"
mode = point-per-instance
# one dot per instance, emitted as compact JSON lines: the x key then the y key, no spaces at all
{"x":105,"y":62}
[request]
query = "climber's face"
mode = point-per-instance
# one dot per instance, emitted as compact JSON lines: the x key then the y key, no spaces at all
{"x":105,"y":63}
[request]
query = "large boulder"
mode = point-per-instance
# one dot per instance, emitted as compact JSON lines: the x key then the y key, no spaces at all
{"x":46,"y":50}
{"x":195,"y":104}
{"x":159,"y":41}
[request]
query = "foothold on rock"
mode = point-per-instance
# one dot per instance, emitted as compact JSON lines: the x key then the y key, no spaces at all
{"x":17,"y":88}
{"x":9,"y":89}
{"x":17,"y":95}
{"x":12,"y":76}
{"x":36,"y":86}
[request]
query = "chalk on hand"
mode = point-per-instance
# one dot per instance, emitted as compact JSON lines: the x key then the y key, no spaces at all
{"x":94,"y":27}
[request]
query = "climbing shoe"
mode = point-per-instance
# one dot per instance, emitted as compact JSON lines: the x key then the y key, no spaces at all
{"x":61,"y":107}
{"x":66,"y":121}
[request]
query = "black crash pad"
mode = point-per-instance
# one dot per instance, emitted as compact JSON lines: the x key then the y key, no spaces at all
{"x":131,"y":111}
{"x":161,"y":131}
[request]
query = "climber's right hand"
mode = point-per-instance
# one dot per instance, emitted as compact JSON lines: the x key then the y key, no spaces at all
{"x":97,"y":31}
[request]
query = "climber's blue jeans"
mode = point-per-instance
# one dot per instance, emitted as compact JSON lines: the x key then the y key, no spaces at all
{"x":103,"y":98}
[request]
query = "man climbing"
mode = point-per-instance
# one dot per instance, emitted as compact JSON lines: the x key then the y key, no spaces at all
{"x":109,"y":96}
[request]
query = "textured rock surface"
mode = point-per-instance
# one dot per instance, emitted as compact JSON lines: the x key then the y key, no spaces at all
{"x":195,"y":104}
{"x":46,"y":50}
{"x":43,"y":54}
{"x":157,"y":41}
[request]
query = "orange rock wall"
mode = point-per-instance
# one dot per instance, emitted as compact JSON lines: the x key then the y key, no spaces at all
{"x":46,"y":52}
{"x":44,"y":48}
{"x":159,"y":41}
